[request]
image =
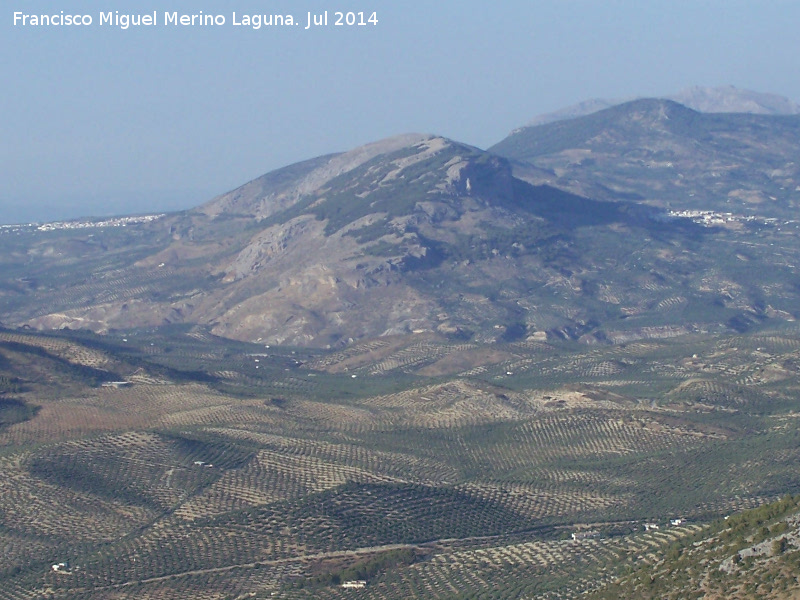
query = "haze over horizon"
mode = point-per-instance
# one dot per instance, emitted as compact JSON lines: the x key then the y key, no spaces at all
{"x":100,"y":120}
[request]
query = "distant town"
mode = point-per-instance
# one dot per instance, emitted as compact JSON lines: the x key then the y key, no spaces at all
{"x":80,"y":224}
{"x":710,"y":218}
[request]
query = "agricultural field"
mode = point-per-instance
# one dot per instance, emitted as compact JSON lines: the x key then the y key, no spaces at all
{"x":170,"y":463}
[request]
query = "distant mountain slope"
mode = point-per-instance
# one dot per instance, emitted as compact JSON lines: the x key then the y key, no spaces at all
{"x":668,"y":155}
{"x":723,"y":99}
{"x":729,"y":99}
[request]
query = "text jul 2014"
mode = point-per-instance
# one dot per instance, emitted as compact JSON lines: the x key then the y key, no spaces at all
{"x":257,"y":21}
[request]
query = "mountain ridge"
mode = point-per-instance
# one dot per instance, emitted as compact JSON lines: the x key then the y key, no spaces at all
{"x":721,"y":99}
{"x":580,"y":232}
{"x":660,"y":152}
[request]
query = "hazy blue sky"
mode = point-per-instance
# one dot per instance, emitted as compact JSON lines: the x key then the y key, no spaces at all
{"x":100,"y":120}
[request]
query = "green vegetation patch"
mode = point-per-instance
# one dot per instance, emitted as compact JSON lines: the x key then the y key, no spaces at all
{"x":9,"y":385}
{"x":77,"y":372}
{"x":359,"y":515}
{"x":364,"y":569}
{"x":374,"y":514}
{"x":91,"y":477}
{"x":13,"y":411}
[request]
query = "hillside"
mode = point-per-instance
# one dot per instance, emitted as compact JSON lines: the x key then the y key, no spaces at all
{"x":755,"y":554}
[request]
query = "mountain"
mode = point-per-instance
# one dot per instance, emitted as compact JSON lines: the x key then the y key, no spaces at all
{"x":647,"y":219}
{"x":420,"y":229}
{"x":723,"y":99}
{"x":664,"y":154}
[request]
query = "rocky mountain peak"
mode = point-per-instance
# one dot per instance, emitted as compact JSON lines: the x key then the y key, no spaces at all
{"x":280,"y":189}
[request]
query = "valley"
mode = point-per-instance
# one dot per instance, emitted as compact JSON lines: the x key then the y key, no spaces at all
{"x":223,"y":469}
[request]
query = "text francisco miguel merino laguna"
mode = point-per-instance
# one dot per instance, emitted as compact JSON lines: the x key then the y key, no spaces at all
{"x":124,"y":21}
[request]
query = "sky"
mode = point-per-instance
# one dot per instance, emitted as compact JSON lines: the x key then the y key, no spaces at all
{"x":98,"y":120}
